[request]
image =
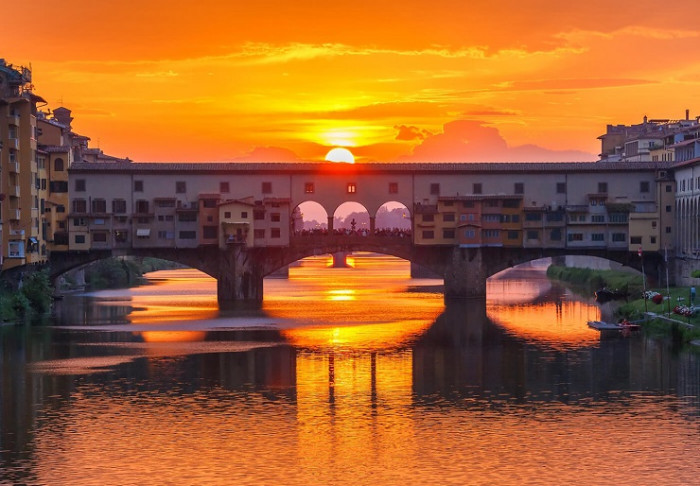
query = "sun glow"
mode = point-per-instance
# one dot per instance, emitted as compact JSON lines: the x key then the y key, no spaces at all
{"x":340,"y":154}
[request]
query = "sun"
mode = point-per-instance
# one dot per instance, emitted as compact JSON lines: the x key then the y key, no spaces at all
{"x":339,"y":154}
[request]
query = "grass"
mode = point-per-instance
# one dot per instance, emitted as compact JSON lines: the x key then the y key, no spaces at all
{"x":592,"y":280}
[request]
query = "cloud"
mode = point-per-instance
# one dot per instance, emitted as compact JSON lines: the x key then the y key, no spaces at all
{"x":472,"y":141}
{"x":411,"y":133}
{"x":269,"y":154}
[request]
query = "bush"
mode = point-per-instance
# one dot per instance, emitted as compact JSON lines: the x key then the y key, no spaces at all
{"x":37,"y":290}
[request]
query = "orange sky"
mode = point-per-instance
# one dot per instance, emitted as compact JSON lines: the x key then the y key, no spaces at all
{"x":222,"y":80}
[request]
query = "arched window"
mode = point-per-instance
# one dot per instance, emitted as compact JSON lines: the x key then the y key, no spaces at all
{"x":58,"y":165}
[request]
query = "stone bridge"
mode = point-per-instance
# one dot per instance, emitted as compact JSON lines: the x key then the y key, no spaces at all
{"x":239,"y":270}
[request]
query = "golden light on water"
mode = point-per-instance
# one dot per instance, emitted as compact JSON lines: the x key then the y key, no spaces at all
{"x":342,"y":294}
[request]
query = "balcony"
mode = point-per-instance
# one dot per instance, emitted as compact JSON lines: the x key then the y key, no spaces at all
{"x":14,"y":214}
{"x":13,"y":119}
{"x":13,"y":191}
{"x":13,"y":166}
{"x":12,"y":143}
{"x":17,"y":232}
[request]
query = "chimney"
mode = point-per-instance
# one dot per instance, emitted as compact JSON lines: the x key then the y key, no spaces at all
{"x":687,"y":114}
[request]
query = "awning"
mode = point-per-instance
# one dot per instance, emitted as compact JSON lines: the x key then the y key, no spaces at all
{"x":33,"y":240}
{"x":143,"y":232}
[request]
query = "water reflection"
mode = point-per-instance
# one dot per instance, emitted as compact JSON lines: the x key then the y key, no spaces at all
{"x":390,"y":387}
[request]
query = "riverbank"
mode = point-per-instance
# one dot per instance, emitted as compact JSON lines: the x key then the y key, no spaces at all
{"x":30,"y":301}
{"x":659,"y":316}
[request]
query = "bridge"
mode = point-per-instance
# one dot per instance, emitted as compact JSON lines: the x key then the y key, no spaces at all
{"x":239,"y":222}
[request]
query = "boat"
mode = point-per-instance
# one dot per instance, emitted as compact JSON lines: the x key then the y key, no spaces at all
{"x":623,"y":326}
{"x":605,"y":294}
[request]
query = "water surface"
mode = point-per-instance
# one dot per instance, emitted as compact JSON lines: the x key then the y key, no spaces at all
{"x":347,"y":376}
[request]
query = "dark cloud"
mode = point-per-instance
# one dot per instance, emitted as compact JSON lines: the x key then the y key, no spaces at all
{"x":472,"y":141}
{"x":408,"y":133}
{"x":269,"y":154}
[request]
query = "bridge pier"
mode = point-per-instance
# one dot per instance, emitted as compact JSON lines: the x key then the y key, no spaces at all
{"x":465,"y":274}
{"x":240,"y":282}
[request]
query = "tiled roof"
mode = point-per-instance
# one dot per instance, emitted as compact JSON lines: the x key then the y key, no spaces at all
{"x":424,"y":167}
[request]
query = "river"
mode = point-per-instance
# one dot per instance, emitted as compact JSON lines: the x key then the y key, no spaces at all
{"x":347,"y":376}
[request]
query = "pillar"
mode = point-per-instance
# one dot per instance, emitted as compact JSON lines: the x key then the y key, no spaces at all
{"x":465,"y":274}
{"x":372,"y":225}
{"x":240,"y":282}
{"x":330,"y":225}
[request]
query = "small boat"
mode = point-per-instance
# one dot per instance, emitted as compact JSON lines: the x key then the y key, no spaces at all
{"x":623,"y":325}
{"x":606,"y":294}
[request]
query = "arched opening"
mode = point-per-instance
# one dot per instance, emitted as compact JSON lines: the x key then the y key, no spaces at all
{"x":309,"y":217}
{"x":392,"y":219}
{"x":351,"y":218}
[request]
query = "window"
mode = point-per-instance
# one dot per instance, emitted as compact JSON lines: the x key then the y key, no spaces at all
{"x":575,"y":237}
{"x":428,"y":234}
{"x":511,"y":203}
{"x":79,"y":239}
{"x":653,"y":240}
{"x":470,"y":233}
{"x":519,"y":188}
{"x":99,"y":237}
{"x":448,"y":217}
{"x":618,"y":217}
{"x":188,"y":235}
{"x":603,"y":187}
{"x":668,"y":209}
{"x":58,"y":186}
{"x":60,"y":208}
{"x":561,"y":187}
{"x":142,"y":206}
{"x":491,"y":203}
{"x":597,"y":237}
{"x":224,"y":187}
{"x":227,"y":214}
{"x":119,"y":206}
{"x":258,"y":233}
{"x":556,"y":216}
{"x":435,"y":189}
{"x":492,"y":218}
{"x":533,"y":216}
{"x":668,"y":230}
{"x":267,"y":187}
{"x":209,"y":232}
{"x":351,"y":188}
{"x":448,"y":233}
{"x":209,"y":203}
{"x":180,"y":187}
{"x":668,"y":188}
{"x":275,"y":233}
{"x":275,"y":217}
{"x":187,"y":217}
{"x":477,"y":188}
{"x":532,"y":235}
{"x":513,"y":235}
{"x":58,"y":166}
{"x":598,"y":218}
{"x":635,"y":240}
{"x":555,"y":234}
{"x":138,"y":186}
{"x":428,"y":218}
{"x":496,"y":233}
{"x":448,"y":203}
{"x":99,"y":206}
{"x":43,"y":184}
{"x":79,"y":206}
{"x":165,"y":203}
{"x":259,"y":214}
{"x":309,"y":188}
{"x":79,"y":222}
{"x":618,"y":237}
{"x":644,"y":186}
{"x":80,"y":185}
{"x":468,"y":204}
{"x":393,"y":188}
{"x":244,"y":215}
{"x":166,"y":235}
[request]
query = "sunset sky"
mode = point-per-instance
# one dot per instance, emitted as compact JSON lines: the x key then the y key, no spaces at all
{"x":447,"y":80}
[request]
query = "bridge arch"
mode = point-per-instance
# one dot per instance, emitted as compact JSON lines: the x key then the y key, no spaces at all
{"x":309,"y":216}
{"x":393,"y":215}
